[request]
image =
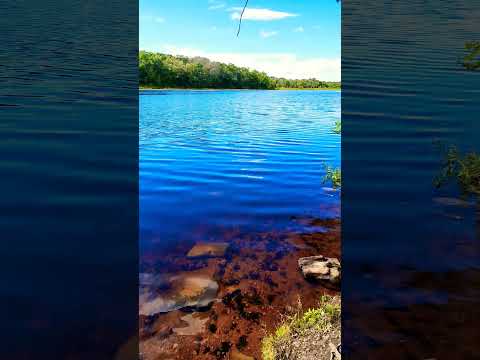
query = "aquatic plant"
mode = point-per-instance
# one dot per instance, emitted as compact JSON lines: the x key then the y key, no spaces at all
{"x":334,"y":176}
{"x":338,"y":127}
{"x":471,"y":60}
{"x":463,"y":168}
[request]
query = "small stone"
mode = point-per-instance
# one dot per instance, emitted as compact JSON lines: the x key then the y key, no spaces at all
{"x":321,"y":268}
{"x":208,"y":250}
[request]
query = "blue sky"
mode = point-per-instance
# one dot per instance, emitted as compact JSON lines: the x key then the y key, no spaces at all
{"x":294,"y":39}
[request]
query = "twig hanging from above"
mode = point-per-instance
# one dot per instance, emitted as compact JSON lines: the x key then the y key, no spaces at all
{"x":241,"y":17}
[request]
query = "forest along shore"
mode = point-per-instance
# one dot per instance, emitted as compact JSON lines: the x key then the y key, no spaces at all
{"x":210,"y":89}
{"x":222,"y":299}
{"x":158,"y":70}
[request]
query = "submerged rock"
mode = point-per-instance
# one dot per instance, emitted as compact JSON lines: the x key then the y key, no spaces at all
{"x":196,"y":291}
{"x":195,"y":326}
{"x":149,"y":304}
{"x":321,"y":268}
{"x":208,"y":250}
{"x":184,"y":291}
{"x":236,"y":355}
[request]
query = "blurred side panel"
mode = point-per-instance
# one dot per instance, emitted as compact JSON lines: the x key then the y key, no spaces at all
{"x":69,"y":170}
{"x":411,"y":252}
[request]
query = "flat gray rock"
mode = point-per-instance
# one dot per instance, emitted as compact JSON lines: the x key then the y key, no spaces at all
{"x":321,"y":268}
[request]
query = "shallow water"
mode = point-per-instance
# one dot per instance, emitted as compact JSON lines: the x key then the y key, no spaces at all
{"x":215,"y":160}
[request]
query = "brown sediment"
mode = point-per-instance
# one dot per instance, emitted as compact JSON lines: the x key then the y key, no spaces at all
{"x":259,"y":283}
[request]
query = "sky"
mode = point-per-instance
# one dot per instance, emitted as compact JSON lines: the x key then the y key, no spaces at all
{"x":295,"y":39}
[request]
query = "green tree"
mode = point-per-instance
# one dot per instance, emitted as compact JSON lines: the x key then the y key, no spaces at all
{"x":163,"y":71}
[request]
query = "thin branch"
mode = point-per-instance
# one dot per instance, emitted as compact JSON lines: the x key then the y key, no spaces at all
{"x":241,"y":17}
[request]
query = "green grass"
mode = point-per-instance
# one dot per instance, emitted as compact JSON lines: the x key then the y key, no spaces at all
{"x":321,"y":318}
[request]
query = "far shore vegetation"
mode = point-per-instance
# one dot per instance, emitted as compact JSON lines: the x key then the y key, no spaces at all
{"x":162,"y":71}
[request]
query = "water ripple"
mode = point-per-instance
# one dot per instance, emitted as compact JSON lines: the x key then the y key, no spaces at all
{"x":233,"y":157}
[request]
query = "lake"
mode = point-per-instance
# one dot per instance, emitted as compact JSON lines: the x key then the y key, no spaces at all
{"x":231,"y":197}
{"x":211,"y":160}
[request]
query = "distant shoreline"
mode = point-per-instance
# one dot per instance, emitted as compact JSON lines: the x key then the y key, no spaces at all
{"x":215,"y":89}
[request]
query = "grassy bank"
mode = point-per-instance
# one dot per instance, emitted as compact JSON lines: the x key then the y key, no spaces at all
{"x":313,"y":334}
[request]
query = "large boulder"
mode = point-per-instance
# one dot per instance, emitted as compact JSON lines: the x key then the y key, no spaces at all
{"x":321,"y":268}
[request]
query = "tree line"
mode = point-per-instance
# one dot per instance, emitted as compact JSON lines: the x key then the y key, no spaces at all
{"x":158,"y":70}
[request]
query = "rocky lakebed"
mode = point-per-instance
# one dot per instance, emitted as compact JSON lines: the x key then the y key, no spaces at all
{"x":219,"y":299}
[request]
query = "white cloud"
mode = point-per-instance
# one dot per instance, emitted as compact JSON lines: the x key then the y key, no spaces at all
{"x":275,"y":64}
{"x":260,"y":14}
{"x":299,"y":29}
{"x":215,"y":5}
{"x":267,"y":34}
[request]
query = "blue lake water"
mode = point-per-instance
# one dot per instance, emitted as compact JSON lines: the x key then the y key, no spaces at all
{"x":212,"y":160}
